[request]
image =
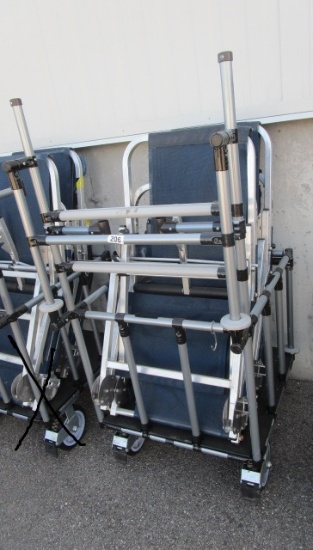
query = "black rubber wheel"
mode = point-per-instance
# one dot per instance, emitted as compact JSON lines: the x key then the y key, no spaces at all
{"x":69,"y":443}
{"x":135,"y":444}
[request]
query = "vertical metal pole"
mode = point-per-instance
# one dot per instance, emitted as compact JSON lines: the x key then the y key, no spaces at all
{"x":238,"y":224}
{"x":228,"y":239}
{"x":80,"y":194}
{"x":4,"y":393}
{"x":252,"y":402}
{"x":50,"y":305}
{"x":236,"y":319}
{"x":289,"y":296}
{"x":124,"y":332}
{"x":291,"y":348}
{"x":43,"y":207}
{"x":269,"y":363}
{"x":280,"y":327}
{"x":185,"y":367}
{"x":93,"y":322}
{"x":225,"y":60}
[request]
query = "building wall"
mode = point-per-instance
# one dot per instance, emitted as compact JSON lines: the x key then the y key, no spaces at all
{"x":292,"y":211}
{"x":293,"y":224}
{"x":103,"y":69}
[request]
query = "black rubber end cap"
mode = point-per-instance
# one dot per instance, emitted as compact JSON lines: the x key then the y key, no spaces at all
{"x":15,"y":101}
{"x":225,"y":56}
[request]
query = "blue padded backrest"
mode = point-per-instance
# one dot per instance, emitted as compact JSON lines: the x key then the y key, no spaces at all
{"x":181,"y":166}
{"x":9,"y":211}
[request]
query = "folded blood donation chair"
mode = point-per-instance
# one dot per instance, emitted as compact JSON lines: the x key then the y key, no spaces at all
{"x":171,"y":303}
{"x":39,"y":358}
{"x":184,"y":367}
{"x":189,"y":354}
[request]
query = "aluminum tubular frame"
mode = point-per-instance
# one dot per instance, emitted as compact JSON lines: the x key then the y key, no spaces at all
{"x":253,"y":216}
{"x":128,"y":194}
{"x":81,"y":252}
{"x":43,"y":207}
{"x":186,"y":324}
{"x":33,"y":349}
{"x":50,"y":304}
{"x":109,"y":334}
{"x":225,"y":61}
{"x":236,"y":370}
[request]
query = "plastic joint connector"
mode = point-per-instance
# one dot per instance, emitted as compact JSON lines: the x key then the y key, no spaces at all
{"x":17,"y":165}
{"x":122,"y":325}
{"x":38,"y":240}
{"x":54,"y":229}
{"x":50,"y":217}
{"x":223,"y":138}
{"x":180,"y":332}
{"x":64,"y":267}
{"x":240,"y":230}
{"x":59,"y":321}
{"x":6,"y":319}
{"x":239,"y":339}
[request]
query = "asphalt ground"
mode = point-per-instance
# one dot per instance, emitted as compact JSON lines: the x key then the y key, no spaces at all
{"x":163,"y":498}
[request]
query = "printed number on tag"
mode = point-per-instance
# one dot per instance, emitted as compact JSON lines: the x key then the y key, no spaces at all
{"x":116,"y":239}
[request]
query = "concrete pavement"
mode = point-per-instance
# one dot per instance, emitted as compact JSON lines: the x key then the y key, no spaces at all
{"x":163,"y":498}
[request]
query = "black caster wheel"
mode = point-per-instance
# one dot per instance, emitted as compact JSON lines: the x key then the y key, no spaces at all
{"x":135,"y":444}
{"x":255,"y":478}
{"x":77,"y":430}
{"x":124,"y":445}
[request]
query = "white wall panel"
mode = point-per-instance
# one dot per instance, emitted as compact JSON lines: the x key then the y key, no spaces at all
{"x":100,"y":69}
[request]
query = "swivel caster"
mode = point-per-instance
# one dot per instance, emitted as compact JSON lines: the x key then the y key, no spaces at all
{"x":78,"y":428}
{"x":254,"y":477}
{"x":56,"y":437}
{"x":126,"y":444}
